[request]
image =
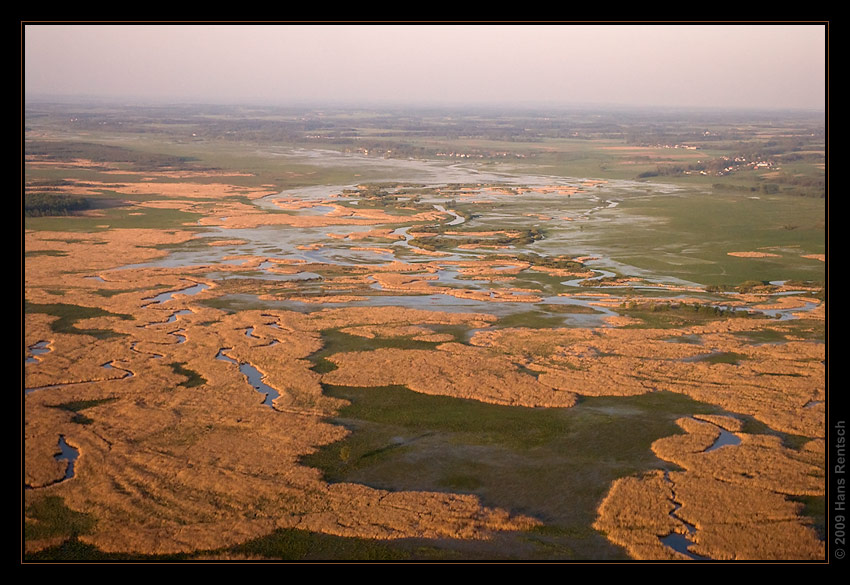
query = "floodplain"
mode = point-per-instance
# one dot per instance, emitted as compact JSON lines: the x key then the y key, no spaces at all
{"x":263,"y":334}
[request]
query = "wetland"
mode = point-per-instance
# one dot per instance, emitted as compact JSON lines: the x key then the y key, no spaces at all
{"x":264,"y":343}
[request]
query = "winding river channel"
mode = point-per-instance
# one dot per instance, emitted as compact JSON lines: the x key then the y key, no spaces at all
{"x":254,"y":377}
{"x":597,"y":205}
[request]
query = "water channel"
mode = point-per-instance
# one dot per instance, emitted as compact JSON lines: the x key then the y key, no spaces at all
{"x":167,"y":296}
{"x":677,"y":541}
{"x":254,"y":376}
{"x":69,"y":454}
{"x":37,"y":349}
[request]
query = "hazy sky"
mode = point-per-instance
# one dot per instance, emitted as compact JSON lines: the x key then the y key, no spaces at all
{"x":752,"y":66}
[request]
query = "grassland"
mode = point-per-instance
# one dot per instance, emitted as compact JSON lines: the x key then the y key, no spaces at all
{"x":614,"y":262}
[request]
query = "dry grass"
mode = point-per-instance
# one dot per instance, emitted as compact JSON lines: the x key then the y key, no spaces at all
{"x":753,"y":254}
{"x":164,"y":467}
{"x":772,"y":382}
{"x":450,"y":370}
{"x":735,"y":497}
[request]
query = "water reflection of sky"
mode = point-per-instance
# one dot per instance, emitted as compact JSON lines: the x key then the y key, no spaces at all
{"x":253,"y":375}
{"x":314,"y":244}
{"x":443,"y":303}
{"x":167,"y":296}
{"x":69,"y":454}
{"x":39,"y":348}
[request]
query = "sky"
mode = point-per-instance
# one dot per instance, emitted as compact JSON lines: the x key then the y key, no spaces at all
{"x":761,"y":66}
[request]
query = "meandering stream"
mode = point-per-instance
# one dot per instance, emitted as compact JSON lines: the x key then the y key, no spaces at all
{"x":254,"y":376}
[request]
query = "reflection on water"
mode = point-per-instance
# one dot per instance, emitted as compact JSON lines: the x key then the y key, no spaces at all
{"x":315,"y":244}
{"x":176,"y":314}
{"x":600,"y":274}
{"x":680,"y":543}
{"x":254,"y":376}
{"x":458,"y":219}
{"x":167,"y":296}
{"x":36,"y":349}
{"x":725,"y":438}
{"x":677,"y":541}
{"x":442,"y":303}
{"x":69,"y":454}
{"x":298,"y":276}
{"x":786,"y":314}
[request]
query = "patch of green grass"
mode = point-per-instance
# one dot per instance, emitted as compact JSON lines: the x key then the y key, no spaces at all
{"x":300,"y":545}
{"x":49,"y":517}
{"x":69,"y":314}
{"x":727,"y":357}
{"x":811,"y":329}
{"x":74,"y":550}
{"x":461,"y":481}
{"x":667,"y":315}
{"x":235,"y":303}
{"x":570,"y":309}
{"x":756,"y":427}
{"x":690,"y":237}
{"x":323,"y":366}
{"x":335,"y":341}
{"x":52,"y":204}
{"x":107,"y":293}
{"x":815,"y":508}
{"x":193,"y":378}
{"x":689,"y":339}
{"x":131,"y":217}
{"x":37,"y":253}
{"x":64,"y":150}
{"x":553,"y":464}
{"x":484,"y":423}
{"x":762,"y":335}
{"x":796,"y":329}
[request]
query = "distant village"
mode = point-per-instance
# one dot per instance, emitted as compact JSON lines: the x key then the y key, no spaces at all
{"x":735,"y":164}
